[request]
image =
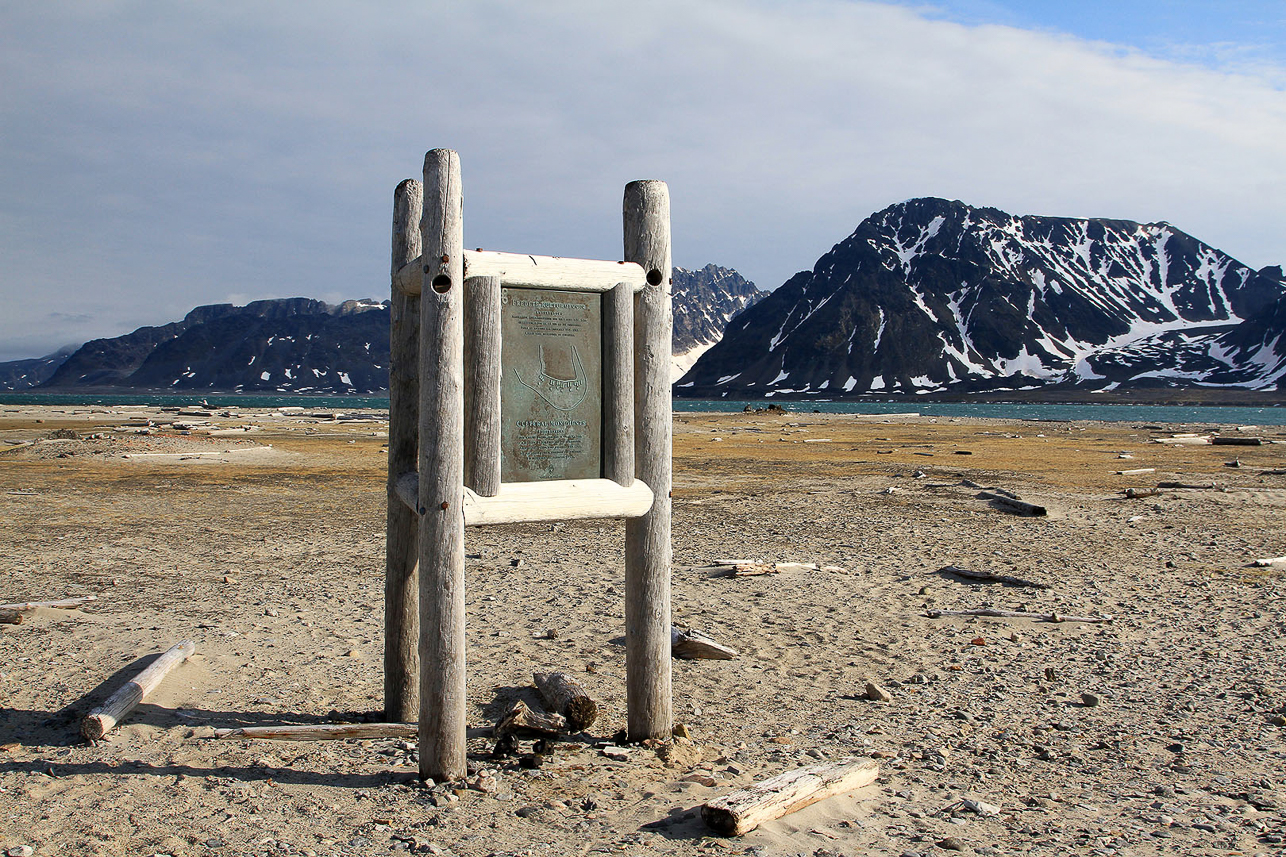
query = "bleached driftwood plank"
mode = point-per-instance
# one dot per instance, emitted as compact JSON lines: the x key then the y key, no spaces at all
{"x":522,"y":270}
{"x":558,"y":500}
{"x":743,"y":811}
{"x":102,"y":719}
{"x":693,"y":645}
{"x":990,"y":577}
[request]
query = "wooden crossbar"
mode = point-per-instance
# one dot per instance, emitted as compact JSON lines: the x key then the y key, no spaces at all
{"x":521,"y":270}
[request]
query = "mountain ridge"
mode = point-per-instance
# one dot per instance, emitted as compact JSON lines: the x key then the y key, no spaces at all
{"x":933,"y":295}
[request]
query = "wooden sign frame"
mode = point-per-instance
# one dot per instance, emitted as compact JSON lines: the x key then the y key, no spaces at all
{"x":444,"y":446}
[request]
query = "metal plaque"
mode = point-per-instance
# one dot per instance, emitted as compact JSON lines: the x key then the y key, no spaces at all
{"x":551,"y":385}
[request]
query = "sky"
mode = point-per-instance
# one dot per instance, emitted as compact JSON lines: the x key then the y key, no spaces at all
{"x":156,"y":156}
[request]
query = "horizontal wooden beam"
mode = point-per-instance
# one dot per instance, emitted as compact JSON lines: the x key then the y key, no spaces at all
{"x":559,"y":500}
{"x":533,"y":272}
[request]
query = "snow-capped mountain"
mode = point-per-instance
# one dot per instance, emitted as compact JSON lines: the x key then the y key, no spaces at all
{"x":933,"y":295}
{"x":306,"y":346}
{"x":704,"y":301}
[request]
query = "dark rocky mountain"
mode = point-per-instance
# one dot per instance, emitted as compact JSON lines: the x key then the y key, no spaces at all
{"x":303,"y":345}
{"x":24,"y":374}
{"x":704,"y":302}
{"x":287,"y":345}
{"x":934,"y":295}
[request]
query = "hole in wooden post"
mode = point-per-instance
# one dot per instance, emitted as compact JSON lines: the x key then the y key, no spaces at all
{"x":442,"y":284}
{"x":654,"y":277}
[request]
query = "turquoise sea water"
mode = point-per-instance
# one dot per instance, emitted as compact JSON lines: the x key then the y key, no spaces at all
{"x":1228,"y":415}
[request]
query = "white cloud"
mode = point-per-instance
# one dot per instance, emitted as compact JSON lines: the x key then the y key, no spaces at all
{"x":161,"y":156}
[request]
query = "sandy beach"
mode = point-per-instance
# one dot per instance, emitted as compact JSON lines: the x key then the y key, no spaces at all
{"x":260,"y":537}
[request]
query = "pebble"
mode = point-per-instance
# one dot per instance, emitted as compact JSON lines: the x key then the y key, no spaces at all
{"x":876,"y":693}
{"x":1089,"y":700}
{"x":951,"y":843}
{"x":20,"y":851}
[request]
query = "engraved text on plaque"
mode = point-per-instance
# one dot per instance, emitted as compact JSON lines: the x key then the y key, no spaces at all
{"x":551,"y":385}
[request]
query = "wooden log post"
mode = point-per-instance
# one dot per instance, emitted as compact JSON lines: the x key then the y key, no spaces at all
{"x":618,"y":384}
{"x":482,"y":385}
{"x":401,"y":586}
{"x":648,"y":682}
{"x":102,"y":719}
{"x":441,"y":549}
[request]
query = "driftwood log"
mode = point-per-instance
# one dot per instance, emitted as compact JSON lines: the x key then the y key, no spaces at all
{"x":334,"y":731}
{"x":322,"y":731}
{"x":990,"y":577}
{"x":102,"y":719}
{"x":1197,"y":486}
{"x":61,"y":603}
{"x":1138,"y":471}
{"x":564,"y":695}
{"x":1271,"y":561}
{"x":1017,"y":614}
{"x":743,"y":811}
{"x":693,"y":645}
{"x":1237,"y":441}
{"x":1136,"y":493}
{"x":10,"y":617}
{"x":521,"y":719}
{"x":1009,"y":501}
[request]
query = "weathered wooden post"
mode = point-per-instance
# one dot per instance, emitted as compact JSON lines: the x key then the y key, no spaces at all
{"x":618,"y":384}
{"x":482,"y":385}
{"x":647,"y":539}
{"x":401,"y":587}
{"x":441,"y":482}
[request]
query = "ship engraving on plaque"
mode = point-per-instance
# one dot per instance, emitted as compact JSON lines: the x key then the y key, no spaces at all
{"x":551,"y":383}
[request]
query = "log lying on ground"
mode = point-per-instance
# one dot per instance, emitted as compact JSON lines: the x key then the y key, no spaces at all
{"x":101,"y":720}
{"x":754,"y":567}
{"x":62,"y":602}
{"x":1273,"y":561}
{"x":1237,"y":441}
{"x":522,"y":719}
{"x":1272,"y":473}
{"x":1136,"y":493}
{"x":693,"y":645}
{"x":1138,"y":471}
{"x":743,"y":811}
{"x":322,"y":731}
{"x":990,"y":577}
{"x":1022,"y":507}
{"x":564,"y":695}
{"x":334,"y":731}
{"x":1017,"y":614}
{"x":10,"y":617}
{"x":1196,"y":486}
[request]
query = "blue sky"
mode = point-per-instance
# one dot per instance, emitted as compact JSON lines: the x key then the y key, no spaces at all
{"x":156,"y":156}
